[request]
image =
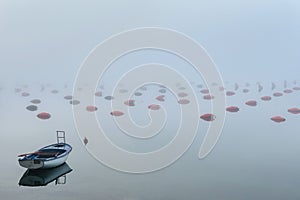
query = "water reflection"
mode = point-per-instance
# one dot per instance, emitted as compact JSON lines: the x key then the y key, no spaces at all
{"x":42,"y":177}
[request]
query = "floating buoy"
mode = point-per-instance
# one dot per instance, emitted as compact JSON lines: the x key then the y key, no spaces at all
{"x":54,"y":91}
{"x":154,"y":107}
{"x":32,"y":107}
{"x":294,"y":110}
{"x":230,"y":93}
{"x":251,"y":103}
{"x":296,"y":88}
{"x":277,"y":94}
{"x":91,"y":108}
{"x":75,"y":102}
{"x":35,"y":101}
{"x":204,"y":91}
{"x":109,"y":97}
{"x":183,"y":101}
{"x":208,"y":97}
{"x":160,"y":98}
{"x":208,"y":117}
{"x":138,"y":94}
{"x":116,"y":113}
{"x":129,"y":102}
{"x":25,"y":94}
{"x":68,"y":97}
{"x":232,"y":109}
{"x":162,"y":90}
{"x":278,"y":119}
{"x":85,"y":141}
{"x":266,"y":98}
{"x":44,"y":115}
{"x":287,"y":91}
{"x":98,"y":94}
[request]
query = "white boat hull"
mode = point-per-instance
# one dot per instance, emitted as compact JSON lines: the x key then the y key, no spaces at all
{"x":48,"y":157}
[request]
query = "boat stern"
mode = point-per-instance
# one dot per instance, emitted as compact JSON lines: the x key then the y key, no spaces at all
{"x":31,"y":164}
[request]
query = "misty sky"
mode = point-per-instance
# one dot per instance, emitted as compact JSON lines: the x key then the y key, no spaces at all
{"x":248,"y":40}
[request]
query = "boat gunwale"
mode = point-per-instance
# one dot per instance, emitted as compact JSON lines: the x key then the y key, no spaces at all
{"x":66,"y":153}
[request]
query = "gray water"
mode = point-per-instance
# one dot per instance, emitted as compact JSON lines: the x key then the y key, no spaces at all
{"x":255,"y":158}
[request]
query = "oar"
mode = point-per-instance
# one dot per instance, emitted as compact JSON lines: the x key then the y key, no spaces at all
{"x":39,"y":153}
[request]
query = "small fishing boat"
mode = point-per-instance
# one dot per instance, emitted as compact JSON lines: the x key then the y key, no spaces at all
{"x":47,"y":157}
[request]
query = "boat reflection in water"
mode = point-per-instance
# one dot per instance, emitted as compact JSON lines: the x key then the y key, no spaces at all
{"x":42,"y":177}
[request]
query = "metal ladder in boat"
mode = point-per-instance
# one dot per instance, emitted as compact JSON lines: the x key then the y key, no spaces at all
{"x":61,"y":137}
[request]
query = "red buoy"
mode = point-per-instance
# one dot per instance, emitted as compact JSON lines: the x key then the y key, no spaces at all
{"x":208,"y":97}
{"x":44,"y":115}
{"x":294,"y":110}
{"x":251,"y":103}
{"x":160,"y":98}
{"x":184,"y":101}
{"x":277,"y":94}
{"x":278,"y":119}
{"x":116,"y":113}
{"x":204,"y":91}
{"x":129,"y":102}
{"x":154,"y":107}
{"x":266,"y":98}
{"x":232,"y":109}
{"x":208,"y":117}
{"x":91,"y":108}
{"x":230,"y":93}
